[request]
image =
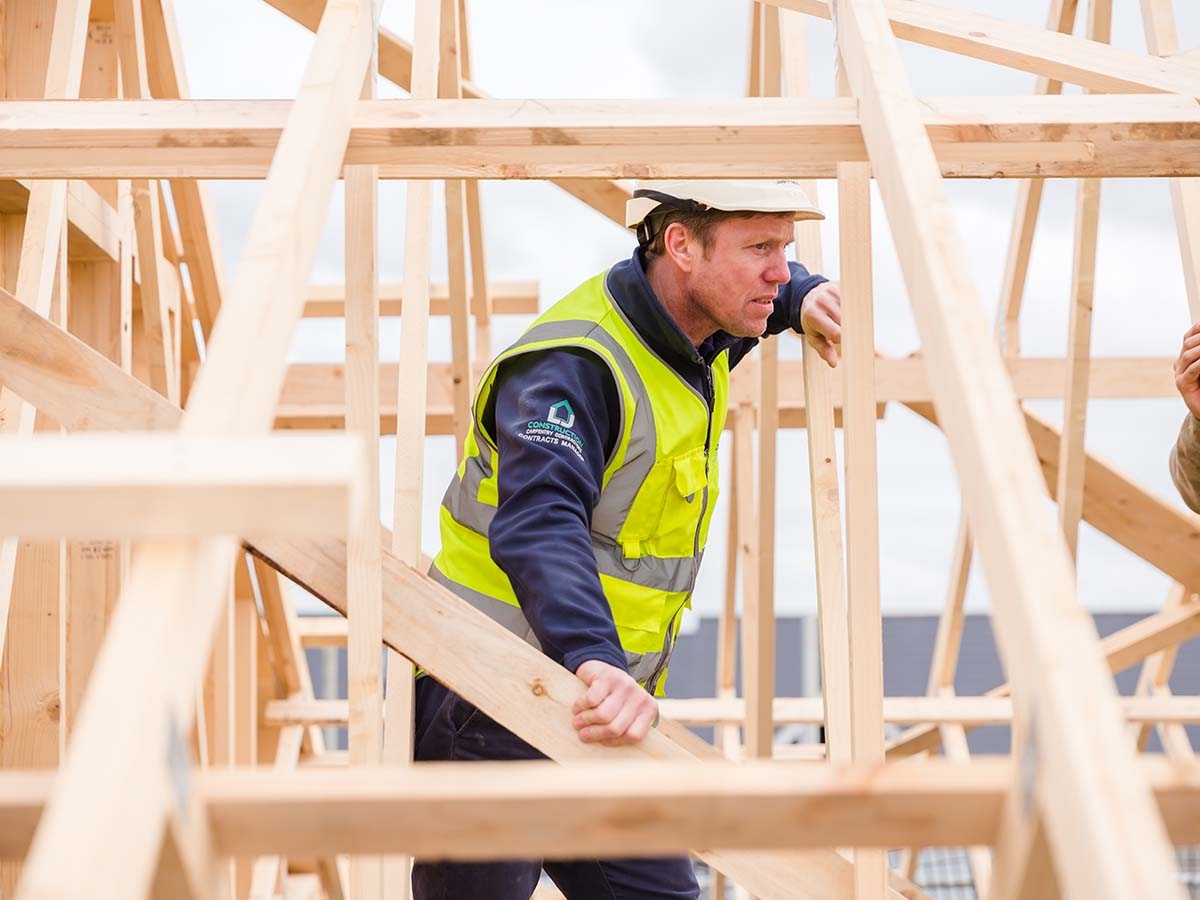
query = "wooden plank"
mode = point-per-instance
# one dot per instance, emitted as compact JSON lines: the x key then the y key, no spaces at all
{"x":940,"y":709}
{"x":1072,"y":457}
{"x":1061,"y":18}
{"x":197,"y":222}
{"x":246,"y":806}
{"x":1048,"y":136}
{"x":42,"y":254}
{"x":313,"y":393}
{"x":506,"y":297}
{"x":817,"y":381}
{"x":1144,"y":524}
{"x":483,"y":297}
{"x":462,"y":384}
{"x":155,"y":485}
{"x":321,"y":631}
{"x":364,"y":664}
{"x":865,"y":625}
{"x":186,"y":864}
{"x":1049,"y":645}
{"x":92,"y":232}
{"x":758,"y":488}
{"x":280,"y":811}
{"x":1024,"y":47}
{"x":246,"y":627}
{"x":1128,"y":513}
{"x":284,"y":635}
{"x":410,"y":410}
{"x":114,"y":760}
{"x":94,"y":566}
{"x":147,"y":216}
{"x":1154,"y":679}
{"x":317,"y":811}
{"x":942,"y":669}
{"x":450,"y":86}
{"x":1162,"y":39}
{"x":32,"y":690}
{"x":270,"y":869}
{"x":755,"y":673}
{"x":948,"y":642}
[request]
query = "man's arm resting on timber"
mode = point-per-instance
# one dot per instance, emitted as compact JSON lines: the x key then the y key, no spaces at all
{"x":540,"y":535}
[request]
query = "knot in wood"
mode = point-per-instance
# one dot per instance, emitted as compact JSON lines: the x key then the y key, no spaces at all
{"x":539,"y":689}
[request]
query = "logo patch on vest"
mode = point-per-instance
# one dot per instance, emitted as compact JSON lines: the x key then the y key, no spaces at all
{"x":561,"y":414}
{"x":555,"y":429}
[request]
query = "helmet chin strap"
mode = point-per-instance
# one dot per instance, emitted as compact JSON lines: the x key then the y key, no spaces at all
{"x":645,"y":235}
{"x":645,"y":231}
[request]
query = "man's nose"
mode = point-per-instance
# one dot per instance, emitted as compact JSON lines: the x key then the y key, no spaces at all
{"x":778,"y":272}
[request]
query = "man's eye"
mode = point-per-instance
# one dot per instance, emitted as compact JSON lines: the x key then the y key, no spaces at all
{"x":760,"y":246}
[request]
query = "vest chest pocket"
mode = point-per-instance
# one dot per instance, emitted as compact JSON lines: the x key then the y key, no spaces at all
{"x":667,"y":510}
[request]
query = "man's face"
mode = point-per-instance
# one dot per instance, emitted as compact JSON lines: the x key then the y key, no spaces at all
{"x":733,"y":285}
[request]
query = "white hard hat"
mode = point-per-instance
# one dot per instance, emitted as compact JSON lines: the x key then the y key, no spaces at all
{"x":732,"y":195}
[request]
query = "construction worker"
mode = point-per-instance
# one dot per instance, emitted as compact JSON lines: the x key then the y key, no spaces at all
{"x":1185,"y":455}
{"x":579,"y":515}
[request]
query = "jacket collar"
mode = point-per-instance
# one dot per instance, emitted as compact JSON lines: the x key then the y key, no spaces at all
{"x":630,"y":289}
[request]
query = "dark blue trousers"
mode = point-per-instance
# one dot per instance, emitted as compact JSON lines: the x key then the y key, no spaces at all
{"x":449,"y":728}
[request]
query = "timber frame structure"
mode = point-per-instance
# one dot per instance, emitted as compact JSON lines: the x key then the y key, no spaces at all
{"x":159,"y":733}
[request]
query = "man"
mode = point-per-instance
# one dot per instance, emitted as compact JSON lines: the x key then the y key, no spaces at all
{"x":1185,"y":457}
{"x":579,"y":515}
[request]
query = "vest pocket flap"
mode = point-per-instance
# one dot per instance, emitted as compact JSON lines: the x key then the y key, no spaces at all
{"x":690,"y":476}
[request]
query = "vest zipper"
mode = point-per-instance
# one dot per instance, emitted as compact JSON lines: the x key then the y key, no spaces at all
{"x":709,"y":400}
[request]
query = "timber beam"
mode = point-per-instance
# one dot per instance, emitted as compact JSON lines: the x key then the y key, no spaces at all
{"x":1042,"y":136}
{"x":458,"y":811}
{"x":1028,"y":48}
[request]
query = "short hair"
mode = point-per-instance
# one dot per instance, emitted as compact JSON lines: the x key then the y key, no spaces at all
{"x":701,"y":225}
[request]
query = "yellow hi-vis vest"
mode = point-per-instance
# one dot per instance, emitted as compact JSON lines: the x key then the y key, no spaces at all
{"x":659,"y":486}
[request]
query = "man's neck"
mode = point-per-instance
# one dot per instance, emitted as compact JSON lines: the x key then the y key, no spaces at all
{"x":671,"y":293}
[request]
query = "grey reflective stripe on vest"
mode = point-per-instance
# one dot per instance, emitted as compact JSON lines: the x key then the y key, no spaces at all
{"x":663,"y":573}
{"x":504,"y":614}
{"x":642,"y":666}
{"x":617,"y":498}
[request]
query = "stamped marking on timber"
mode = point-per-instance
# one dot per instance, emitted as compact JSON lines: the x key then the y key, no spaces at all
{"x":177,"y":766}
{"x":1029,"y":765}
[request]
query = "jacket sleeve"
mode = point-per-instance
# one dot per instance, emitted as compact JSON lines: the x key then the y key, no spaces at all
{"x":786,"y":315}
{"x":1185,"y":462}
{"x":556,"y":418}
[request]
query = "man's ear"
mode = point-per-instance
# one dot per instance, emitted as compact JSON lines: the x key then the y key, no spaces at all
{"x":680,"y":246}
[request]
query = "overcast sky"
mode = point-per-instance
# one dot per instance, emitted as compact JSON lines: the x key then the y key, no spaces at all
{"x":698,"y":48}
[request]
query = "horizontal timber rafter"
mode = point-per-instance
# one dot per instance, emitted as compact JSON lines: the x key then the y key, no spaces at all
{"x":89,"y":486}
{"x":326,"y":301}
{"x":960,"y":710}
{"x":453,"y":810}
{"x":313,"y":395}
{"x":761,"y":137}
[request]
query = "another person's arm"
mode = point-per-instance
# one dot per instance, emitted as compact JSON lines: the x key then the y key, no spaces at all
{"x":1185,"y":456}
{"x":540,"y":535}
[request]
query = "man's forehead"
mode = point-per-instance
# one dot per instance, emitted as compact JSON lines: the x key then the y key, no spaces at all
{"x":769,"y":226}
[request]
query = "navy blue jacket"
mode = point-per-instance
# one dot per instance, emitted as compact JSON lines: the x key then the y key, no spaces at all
{"x":540,"y":534}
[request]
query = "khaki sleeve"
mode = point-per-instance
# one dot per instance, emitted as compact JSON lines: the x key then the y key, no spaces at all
{"x":1185,"y":462}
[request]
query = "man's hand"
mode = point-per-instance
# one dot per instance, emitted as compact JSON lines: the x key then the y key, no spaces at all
{"x":1187,"y":370}
{"x":615,"y":710}
{"x":821,"y":319}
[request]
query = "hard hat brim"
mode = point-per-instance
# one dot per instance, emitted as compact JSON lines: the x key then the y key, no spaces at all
{"x":637,"y":208}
